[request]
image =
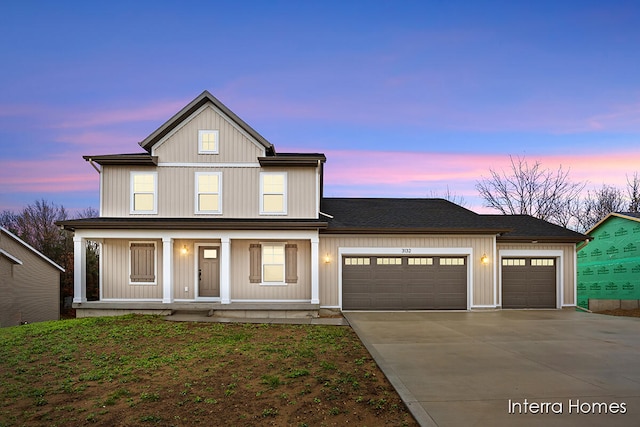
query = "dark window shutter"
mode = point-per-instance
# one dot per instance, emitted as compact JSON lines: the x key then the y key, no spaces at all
{"x":142,"y":262}
{"x":291,"y":263}
{"x":255,"y":263}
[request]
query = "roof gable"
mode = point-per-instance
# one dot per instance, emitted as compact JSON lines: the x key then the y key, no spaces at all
{"x":200,"y":101}
{"x":29,"y":247}
{"x":632,"y":216}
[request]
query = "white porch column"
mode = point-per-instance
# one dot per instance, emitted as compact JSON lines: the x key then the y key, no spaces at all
{"x":79,"y":269}
{"x":225,"y":270}
{"x":315,"y":279}
{"x":167,"y":270}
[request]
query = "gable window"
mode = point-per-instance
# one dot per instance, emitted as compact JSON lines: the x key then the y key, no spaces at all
{"x":208,"y":192}
{"x":208,"y":142}
{"x":144,"y":189}
{"x":273,"y":193}
{"x":142,"y":263}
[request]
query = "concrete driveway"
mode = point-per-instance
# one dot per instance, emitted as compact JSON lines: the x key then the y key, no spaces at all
{"x":486,"y":368}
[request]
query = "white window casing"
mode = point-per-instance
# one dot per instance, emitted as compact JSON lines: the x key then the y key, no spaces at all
{"x":144,"y":192}
{"x":273,"y":193}
{"x":208,"y":193}
{"x":208,"y":141}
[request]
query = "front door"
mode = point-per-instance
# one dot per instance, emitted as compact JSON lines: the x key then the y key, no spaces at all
{"x":209,"y":271}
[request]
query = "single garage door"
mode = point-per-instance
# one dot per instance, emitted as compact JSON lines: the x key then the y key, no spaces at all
{"x":404,"y":283}
{"x":528,"y":283}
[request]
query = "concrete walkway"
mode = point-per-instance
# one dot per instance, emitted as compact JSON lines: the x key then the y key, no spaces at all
{"x":464,"y":368}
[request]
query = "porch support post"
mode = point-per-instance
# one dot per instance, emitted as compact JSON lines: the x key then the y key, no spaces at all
{"x":167,"y":270}
{"x":225,"y":271}
{"x":315,"y":280}
{"x":79,"y":269}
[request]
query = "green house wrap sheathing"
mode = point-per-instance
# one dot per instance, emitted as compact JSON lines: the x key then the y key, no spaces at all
{"x":609,"y":266}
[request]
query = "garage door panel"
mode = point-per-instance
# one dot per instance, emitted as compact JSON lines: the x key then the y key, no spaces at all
{"x":529,"y":283}
{"x":405,"y":283}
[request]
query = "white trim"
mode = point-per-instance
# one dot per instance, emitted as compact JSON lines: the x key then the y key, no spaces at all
{"x":167,"y":269}
{"x":273,"y":300}
{"x":155,"y":192}
{"x":548,"y":253}
{"x":133,"y":300}
{"x":11,"y":258}
{"x":197,"y":211}
{"x":315,"y":269}
{"x":100,"y":201}
{"x":284,"y":264}
{"x":80,"y":269}
{"x":201,"y":132}
{"x":26,"y":245}
{"x":411,"y":251}
{"x":155,"y":264}
{"x":132,"y":234}
{"x":496,"y":267}
{"x":284,"y":193}
{"x":100,"y":270}
{"x":317,"y":195}
{"x":209,"y":165}
{"x":194,"y":115}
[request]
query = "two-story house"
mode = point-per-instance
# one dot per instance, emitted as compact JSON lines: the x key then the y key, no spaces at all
{"x":211,"y":217}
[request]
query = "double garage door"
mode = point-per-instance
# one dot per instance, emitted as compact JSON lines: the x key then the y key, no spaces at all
{"x":404,"y":282}
{"x":529,"y":282}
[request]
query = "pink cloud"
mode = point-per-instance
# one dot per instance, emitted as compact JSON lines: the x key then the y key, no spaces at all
{"x":65,"y":173}
{"x":421,"y":174}
{"x":159,"y":110}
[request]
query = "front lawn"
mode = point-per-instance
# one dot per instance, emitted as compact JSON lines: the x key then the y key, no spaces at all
{"x":142,"y":370}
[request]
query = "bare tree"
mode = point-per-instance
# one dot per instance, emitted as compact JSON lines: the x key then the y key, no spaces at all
{"x":452,"y":197}
{"x":633,"y":192}
{"x":600,"y":203}
{"x":530,"y":189}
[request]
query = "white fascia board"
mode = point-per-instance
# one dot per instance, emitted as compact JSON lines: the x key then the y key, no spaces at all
{"x":198,"y":234}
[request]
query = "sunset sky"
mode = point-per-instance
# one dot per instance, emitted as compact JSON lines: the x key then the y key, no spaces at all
{"x":405,"y":98}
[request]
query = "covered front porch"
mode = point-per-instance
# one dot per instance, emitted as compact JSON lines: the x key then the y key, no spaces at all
{"x":173,"y":281}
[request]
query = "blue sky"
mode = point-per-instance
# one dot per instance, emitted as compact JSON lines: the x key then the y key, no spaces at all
{"x":405,"y":98}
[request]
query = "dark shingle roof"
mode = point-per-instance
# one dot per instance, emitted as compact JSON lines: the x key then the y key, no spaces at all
{"x":527,"y":228}
{"x":401,"y":215}
{"x":438,"y":216}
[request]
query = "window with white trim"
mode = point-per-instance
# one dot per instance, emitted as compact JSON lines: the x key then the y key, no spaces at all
{"x":208,"y":141}
{"x":451,"y":261}
{"x":420,"y":261}
{"x":543,"y":262}
{"x":514,"y":262}
{"x":208,"y":192}
{"x":144,"y":192}
{"x":273,"y":267}
{"x":389,"y":261}
{"x":273,"y":193}
{"x":142,"y":263}
{"x":357,"y":261}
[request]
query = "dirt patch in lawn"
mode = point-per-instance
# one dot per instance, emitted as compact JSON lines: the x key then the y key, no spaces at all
{"x":138,"y":370}
{"x":620,"y":312}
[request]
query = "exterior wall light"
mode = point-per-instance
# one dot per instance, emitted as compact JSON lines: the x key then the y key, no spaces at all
{"x":484,"y":259}
{"x":327,"y":259}
{"x":184,"y":250}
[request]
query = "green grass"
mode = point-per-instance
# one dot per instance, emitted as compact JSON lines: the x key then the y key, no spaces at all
{"x":144,"y":370}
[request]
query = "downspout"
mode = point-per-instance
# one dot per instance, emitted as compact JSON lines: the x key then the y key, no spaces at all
{"x":92,"y":163}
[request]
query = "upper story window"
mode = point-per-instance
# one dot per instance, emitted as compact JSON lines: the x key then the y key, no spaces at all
{"x":208,"y":142}
{"x":144,"y":192}
{"x":208,"y":192}
{"x":273,"y":193}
